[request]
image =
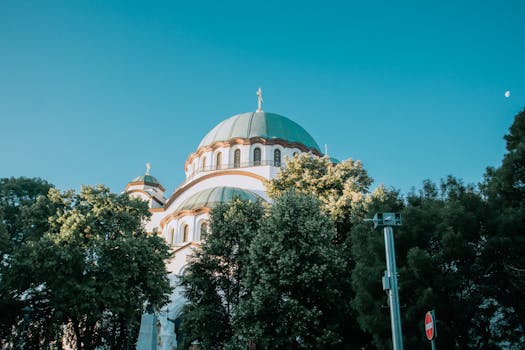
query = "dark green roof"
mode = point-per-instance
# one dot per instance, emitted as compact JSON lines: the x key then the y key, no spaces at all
{"x":146,"y":178}
{"x":260,"y":124}
{"x":210,"y":197}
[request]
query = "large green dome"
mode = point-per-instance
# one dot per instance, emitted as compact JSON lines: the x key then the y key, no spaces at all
{"x":212,"y":196}
{"x":260,"y":124}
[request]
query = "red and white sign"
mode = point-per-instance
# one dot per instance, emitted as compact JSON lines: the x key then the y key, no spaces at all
{"x":430,"y":325}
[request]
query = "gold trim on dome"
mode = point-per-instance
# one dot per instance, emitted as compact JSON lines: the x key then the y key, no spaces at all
{"x":250,"y":141}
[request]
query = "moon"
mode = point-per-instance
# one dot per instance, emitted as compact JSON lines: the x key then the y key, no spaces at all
{"x":507,"y":94}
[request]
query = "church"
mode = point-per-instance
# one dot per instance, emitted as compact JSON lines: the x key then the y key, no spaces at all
{"x":234,"y":159}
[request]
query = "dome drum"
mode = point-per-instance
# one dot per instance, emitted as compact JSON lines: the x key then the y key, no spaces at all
{"x":205,"y":159}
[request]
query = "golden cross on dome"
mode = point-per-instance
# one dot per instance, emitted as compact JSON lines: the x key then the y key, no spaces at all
{"x":148,"y":168}
{"x":259,"y":100}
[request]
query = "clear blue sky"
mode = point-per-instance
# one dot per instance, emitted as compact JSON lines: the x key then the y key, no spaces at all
{"x":92,"y":90}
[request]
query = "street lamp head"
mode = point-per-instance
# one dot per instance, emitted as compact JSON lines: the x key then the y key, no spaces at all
{"x":387,"y":219}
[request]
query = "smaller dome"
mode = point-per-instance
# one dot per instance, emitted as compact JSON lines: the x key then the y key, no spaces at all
{"x":211,"y":197}
{"x":146,"y":178}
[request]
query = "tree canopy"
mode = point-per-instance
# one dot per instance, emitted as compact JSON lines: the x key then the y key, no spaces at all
{"x":24,"y":208}
{"x":341,"y":188}
{"x":92,"y":271}
{"x":343,"y":192}
{"x":437,"y":249}
{"x":504,"y":188}
{"x":292,"y":279}
{"x":214,"y":281}
{"x":24,"y":212}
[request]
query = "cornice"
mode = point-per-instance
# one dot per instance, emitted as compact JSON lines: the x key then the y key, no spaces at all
{"x":189,"y":244}
{"x":182,"y":213}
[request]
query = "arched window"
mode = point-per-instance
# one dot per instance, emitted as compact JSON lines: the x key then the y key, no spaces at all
{"x":237,"y":158}
{"x":219,"y":161}
{"x":171,"y":237}
{"x":277,"y":157}
{"x":257,"y":156}
{"x":203,"y":163}
{"x":185,"y":233}
{"x":204,"y":230}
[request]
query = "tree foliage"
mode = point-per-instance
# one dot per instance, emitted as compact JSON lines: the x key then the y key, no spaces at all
{"x":342,"y":190}
{"x":506,"y":184}
{"x":215,"y":278}
{"x":341,"y":187}
{"x":272,"y":277}
{"x":292,"y":279}
{"x":441,"y":261}
{"x":92,"y":271}
{"x":504,"y":188}
{"x":24,"y":210}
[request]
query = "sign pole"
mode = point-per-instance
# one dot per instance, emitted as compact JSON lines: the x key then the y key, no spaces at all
{"x":387,"y":221}
{"x":393,"y":296}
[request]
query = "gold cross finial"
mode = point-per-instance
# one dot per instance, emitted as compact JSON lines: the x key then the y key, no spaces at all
{"x":259,"y":100}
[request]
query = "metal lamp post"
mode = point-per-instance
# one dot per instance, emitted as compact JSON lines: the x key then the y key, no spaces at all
{"x":387,"y":221}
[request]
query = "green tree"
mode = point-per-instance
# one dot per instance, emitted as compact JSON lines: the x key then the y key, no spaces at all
{"x":93,"y":271}
{"x":506,"y":185}
{"x":437,"y":250}
{"x":18,"y":201}
{"x":24,"y":212}
{"x":504,"y":255}
{"x":340,"y":187}
{"x":293,"y":297}
{"x":214,"y":278}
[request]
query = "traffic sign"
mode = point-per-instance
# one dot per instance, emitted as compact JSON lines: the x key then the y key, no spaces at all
{"x":430,"y":325}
